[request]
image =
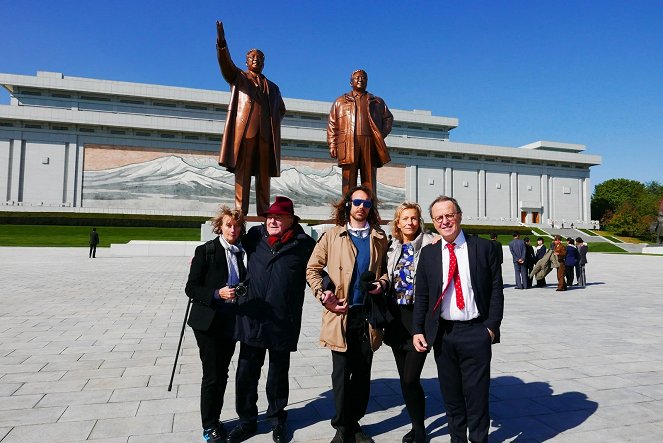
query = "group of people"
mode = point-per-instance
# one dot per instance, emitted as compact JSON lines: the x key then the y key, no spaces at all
{"x":535,"y":262}
{"x":416,"y":293}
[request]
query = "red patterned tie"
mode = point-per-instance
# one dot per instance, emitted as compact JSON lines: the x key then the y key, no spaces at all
{"x":455,"y":276}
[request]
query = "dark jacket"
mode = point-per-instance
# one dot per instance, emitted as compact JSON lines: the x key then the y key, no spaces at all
{"x":94,"y":238}
{"x":498,"y":250}
{"x":572,"y":256}
{"x":270,"y":316}
{"x":486,"y":276}
{"x":206,"y":275}
{"x":530,"y":258}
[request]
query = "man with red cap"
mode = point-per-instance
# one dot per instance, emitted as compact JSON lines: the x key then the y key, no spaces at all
{"x":269,"y":316}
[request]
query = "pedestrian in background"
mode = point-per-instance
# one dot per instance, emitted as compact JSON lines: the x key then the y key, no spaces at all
{"x":580,"y":267}
{"x":94,"y":241}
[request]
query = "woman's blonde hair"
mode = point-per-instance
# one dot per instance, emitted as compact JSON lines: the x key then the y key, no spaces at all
{"x":395,"y":230}
{"x":225,"y":211}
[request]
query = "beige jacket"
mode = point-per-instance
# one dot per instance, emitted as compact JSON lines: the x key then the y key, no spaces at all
{"x":336,"y":252}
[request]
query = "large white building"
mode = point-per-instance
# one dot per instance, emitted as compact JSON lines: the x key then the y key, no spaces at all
{"x":83,"y":144}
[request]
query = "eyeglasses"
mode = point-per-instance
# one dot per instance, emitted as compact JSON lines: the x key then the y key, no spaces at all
{"x":447,"y":217}
{"x":358,"y":202}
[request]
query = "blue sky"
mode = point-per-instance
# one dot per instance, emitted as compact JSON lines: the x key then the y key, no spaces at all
{"x":512,"y":72}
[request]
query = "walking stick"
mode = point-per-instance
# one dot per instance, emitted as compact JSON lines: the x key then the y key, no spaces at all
{"x":179,"y":345}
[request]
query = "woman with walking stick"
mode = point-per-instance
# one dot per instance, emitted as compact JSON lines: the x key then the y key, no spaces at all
{"x":215,"y":280}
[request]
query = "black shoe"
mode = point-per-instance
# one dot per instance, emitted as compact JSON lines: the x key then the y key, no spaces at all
{"x":338,"y":438}
{"x":278,"y":433}
{"x":360,"y":437}
{"x":241,"y":432}
{"x":409,"y":437}
{"x":213,"y":434}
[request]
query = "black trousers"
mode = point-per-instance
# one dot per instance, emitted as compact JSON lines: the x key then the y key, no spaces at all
{"x":351,"y":375}
{"x":462,"y":353}
{"x":251,"y":360}
{"x":216,"y":351}
{"x":410,"y":364}
{"x":93,"y":251}
{"x":569,"y":273}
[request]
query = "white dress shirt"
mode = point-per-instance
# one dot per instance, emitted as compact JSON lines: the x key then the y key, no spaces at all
{"x":449,"y":309}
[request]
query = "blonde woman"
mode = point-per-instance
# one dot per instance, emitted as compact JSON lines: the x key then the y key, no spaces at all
{"x":402,"y":258}
{"x":217,"y":267}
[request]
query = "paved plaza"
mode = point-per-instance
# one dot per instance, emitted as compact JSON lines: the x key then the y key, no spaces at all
{"x":87,"y":347}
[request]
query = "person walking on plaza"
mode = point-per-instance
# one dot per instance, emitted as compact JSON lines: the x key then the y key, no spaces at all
{"x":572,"y":259}
{"x":354,"y":252}
{"x":94,"y":241}
{"x":519,"y":253}
{"x":269,"y":317}
{"x":458,"y":309}
{"x":558,"y":258}
{"x":580,"y":267}
{"x":216,"y":268}
{"x":402,"y":259}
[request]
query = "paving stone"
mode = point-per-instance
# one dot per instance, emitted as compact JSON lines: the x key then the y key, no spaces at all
{"x":74,"y":398}
{"x":99,"y":411}
{"x":133,"y":426}
{"x":54,"y":432}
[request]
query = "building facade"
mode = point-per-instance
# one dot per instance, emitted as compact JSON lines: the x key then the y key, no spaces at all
{"x":80,"y":144}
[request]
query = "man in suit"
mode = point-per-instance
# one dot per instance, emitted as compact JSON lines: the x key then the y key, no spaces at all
{"x":458,"y":312}
{"x":94,"y":241}
{"x":357,"y":126}
{"x":251,"y":144}
{"x":498,"y":246}
{"x":519,"y":253}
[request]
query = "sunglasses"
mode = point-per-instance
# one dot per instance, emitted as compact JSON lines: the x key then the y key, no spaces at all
{"x":358,"y":202}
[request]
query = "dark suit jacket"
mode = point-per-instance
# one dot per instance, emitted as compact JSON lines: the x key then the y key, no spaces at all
{"x":205,"y":276}
{"x":486,"y":275}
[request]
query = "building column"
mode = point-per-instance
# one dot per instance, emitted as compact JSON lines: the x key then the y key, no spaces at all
{"x":411,"y":183}
{"x":513,"y":196}
{"x":545,"y":203}
{"x":551,"y":198}
{"x":16,"y":149}
{"x":586,"y":201}
{"x":482,"y":193}
{"x":448,"y":181}
{"x":77,"y":200}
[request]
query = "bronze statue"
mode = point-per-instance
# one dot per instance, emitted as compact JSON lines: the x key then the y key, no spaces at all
{"x":251,"y":144}
{"x":358,"y":124}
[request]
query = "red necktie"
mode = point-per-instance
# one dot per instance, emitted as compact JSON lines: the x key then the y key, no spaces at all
{"x":455,"y":276}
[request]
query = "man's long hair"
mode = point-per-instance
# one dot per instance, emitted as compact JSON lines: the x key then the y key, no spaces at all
{"x":341,"y":209}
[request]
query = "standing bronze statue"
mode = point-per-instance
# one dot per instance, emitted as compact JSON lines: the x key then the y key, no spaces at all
{"x":251,"y":144}
{"x":358,"y":124}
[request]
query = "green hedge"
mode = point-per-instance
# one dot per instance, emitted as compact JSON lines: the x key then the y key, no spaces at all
{"x":90,"y":219}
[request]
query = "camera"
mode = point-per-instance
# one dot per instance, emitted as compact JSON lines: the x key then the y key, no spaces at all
{"x":241,"y":289}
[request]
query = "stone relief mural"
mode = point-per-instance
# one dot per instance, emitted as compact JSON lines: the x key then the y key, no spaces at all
{"x":138,"y":178}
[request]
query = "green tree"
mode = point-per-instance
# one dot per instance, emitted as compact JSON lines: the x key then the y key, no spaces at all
{"x":632,"y":219}
{"x":609,"y":196}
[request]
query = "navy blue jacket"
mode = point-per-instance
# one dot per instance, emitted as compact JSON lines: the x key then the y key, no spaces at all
{"x":270,"y":316}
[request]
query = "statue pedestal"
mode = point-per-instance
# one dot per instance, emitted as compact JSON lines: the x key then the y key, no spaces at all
{"x":658,"y":249}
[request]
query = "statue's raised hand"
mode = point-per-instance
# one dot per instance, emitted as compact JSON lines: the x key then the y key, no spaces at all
{"x":220,"y":33}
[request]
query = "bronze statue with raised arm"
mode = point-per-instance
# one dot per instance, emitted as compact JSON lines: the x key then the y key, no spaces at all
{"x":251,"y":144}
{"x":358,"y":124}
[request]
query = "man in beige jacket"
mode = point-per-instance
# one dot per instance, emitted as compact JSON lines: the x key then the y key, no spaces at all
{"x":354,"y":253}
